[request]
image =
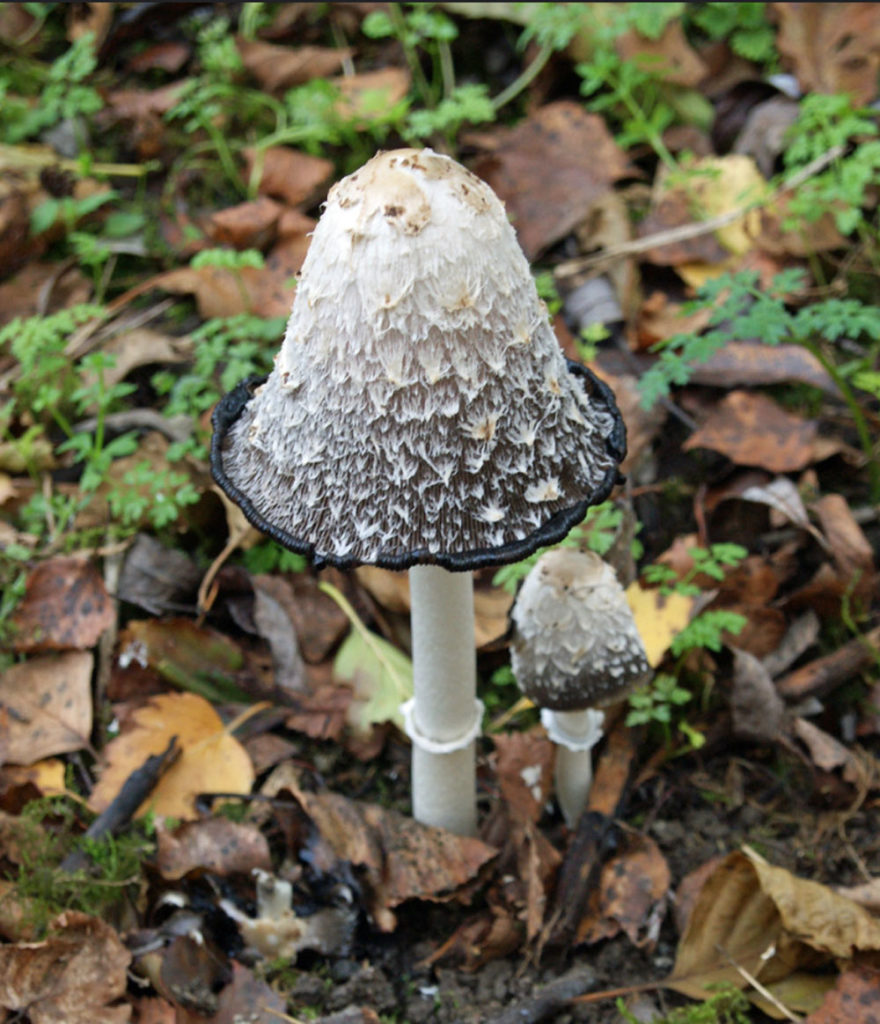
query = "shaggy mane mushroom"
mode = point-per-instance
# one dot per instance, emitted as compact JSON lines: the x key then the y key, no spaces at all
{"x":420,"y":416}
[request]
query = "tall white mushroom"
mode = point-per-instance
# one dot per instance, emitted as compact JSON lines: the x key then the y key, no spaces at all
{"x":420,"y":416}
{"x":574,"y":649}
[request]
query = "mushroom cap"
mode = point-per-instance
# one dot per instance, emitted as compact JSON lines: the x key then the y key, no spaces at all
{"x":575,"y":643}
{"x":420,"y":409}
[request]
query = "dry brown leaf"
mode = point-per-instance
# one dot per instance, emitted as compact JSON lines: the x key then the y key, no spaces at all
{"x":169,"y":55}
{"x":833,"y":47}
{"x":249,"y":225}
{"x":855,"y":999}
{"x":47,"y":776}
{"x":72,"y":976}
{"x":211,"y":760}
{"x":853,"y":553}
{"x":525,"y":772}
{"x":631,"y":896}
{"x":757,"y":710}
{"x":754,"y":364}
{"x":317,"y":619}
{"x":142,"y":347}
{"x":218,"y":845}
{"x":65,"y":605}
{"x":281,"y":67}
{"x":46,"y":706}
{"x":761,"y":918}
{"x":752,"y":430}
{"x":402,"y":858}
{"x":825,"y":751}
{"x":362,"y":95}
{"x":671,"y":57}
{"x":586,"y":162}
{"x":288,"y":174}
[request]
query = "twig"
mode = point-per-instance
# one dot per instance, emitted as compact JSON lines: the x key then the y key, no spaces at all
{"x":572,"y":268}
{"x":821,"y":676}
{"x":136,"y":788}
{"x":758,"y":987}
{"x":551,"y":999}
{"x":175,"y":428}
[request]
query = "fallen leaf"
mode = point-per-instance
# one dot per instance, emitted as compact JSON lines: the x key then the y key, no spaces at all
{"x":191,"y":657}
{"x":834,"y":48}
{"x":47,"y":776}
{"x":757,"y":710}
{"x":364,"y":95}
{"x":525,"y":772}
{"x":855,"y":999}
{"x":853,"y":552}
{"x":659,"y":618}
{"x":281,"y":67}
{"x":825,"y":751}
{"x":156,"y":577}
{"x":169,"y":55}
{"x":631,"y":897}
{"x":670,"y":57}
{"x":250,"y":225}
{"x":287,"y":173}
{"x":73,"y":976}
{"x":211,"y":760}
{"x":65,"y":605}
{"x":754,"y":364}
{"x":752,"y":430}
{"x":274,"y":625}
{"x":249,"y":998}
{"x":46,"y":706}
{"x":217,"y":845}
{"x":586,"y":162}
{"x":317,"y":620}
{"x":764,"y":919}
{"x":402,"y":858}
{"x":380,"y":674}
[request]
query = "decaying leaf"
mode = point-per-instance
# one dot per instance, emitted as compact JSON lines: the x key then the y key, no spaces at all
{"x":211,"y":760}
{"x":761,"y":918}
{"x":75,"y":975}
{"x":525,"y":772}
{"x":288,"y":174}
{"x":65,"y":605}
{"x":586,"y":162}
{"x":659,"y":618}
{"x":218,"y":845}
{"x":631,"y":896}
{"x":757,"y":710}
{"x":752,"y":430}
{"x":402,"y":858}
{"x":46,"y":706}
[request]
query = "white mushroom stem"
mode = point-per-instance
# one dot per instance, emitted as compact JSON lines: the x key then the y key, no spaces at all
{"x":575,"y":733}
{"x":443,"y":718}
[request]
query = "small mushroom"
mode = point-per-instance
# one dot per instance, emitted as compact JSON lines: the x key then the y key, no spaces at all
{"x":574,"y":649}
{"x":420,"y":416}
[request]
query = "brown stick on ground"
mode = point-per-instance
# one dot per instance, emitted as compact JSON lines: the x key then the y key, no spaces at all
{"x":136,"y":788}
{"x":821,"y":676}
{"x":550,"y":999}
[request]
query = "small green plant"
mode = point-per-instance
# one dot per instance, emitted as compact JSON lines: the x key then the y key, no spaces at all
{"x":48,"y":828}
{"x":744,"y":26}
{"x":712,"y":561}
{"x":62,"y":94}
{"x":728,"y":1005}
{"x":742,"y":309}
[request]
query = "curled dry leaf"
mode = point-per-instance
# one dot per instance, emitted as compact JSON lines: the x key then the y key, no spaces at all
{"x":402,"y":858}
{"x":73,"y":976}
{"x":218,"y":845}
{"x":586,"y":162}
{"x":761,"y":918}
{"x":211,"y":760}
{"x":752,"y":430}
{"x":46,"y":706}
{"x":288,"y":174}
{"x":631,"y":897}
{"x":525,"y":772}
{"x":835,"y":48}
{"x":65,"y":605}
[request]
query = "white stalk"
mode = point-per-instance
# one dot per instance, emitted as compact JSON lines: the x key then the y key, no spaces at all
{"x":575,"y":733}
{"x":442,"y":720}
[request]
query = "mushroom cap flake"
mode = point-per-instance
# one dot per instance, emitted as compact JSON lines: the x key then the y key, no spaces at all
{"x":420,"y":409}
{"x":575,"y":643}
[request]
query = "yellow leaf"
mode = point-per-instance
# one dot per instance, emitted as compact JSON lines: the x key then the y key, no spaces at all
{"x":211,"y":761}
{"x":659,"y":619}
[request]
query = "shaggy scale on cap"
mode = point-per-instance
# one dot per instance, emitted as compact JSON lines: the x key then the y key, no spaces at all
{"x":575,"y":643}
{"x":420,"y":409}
